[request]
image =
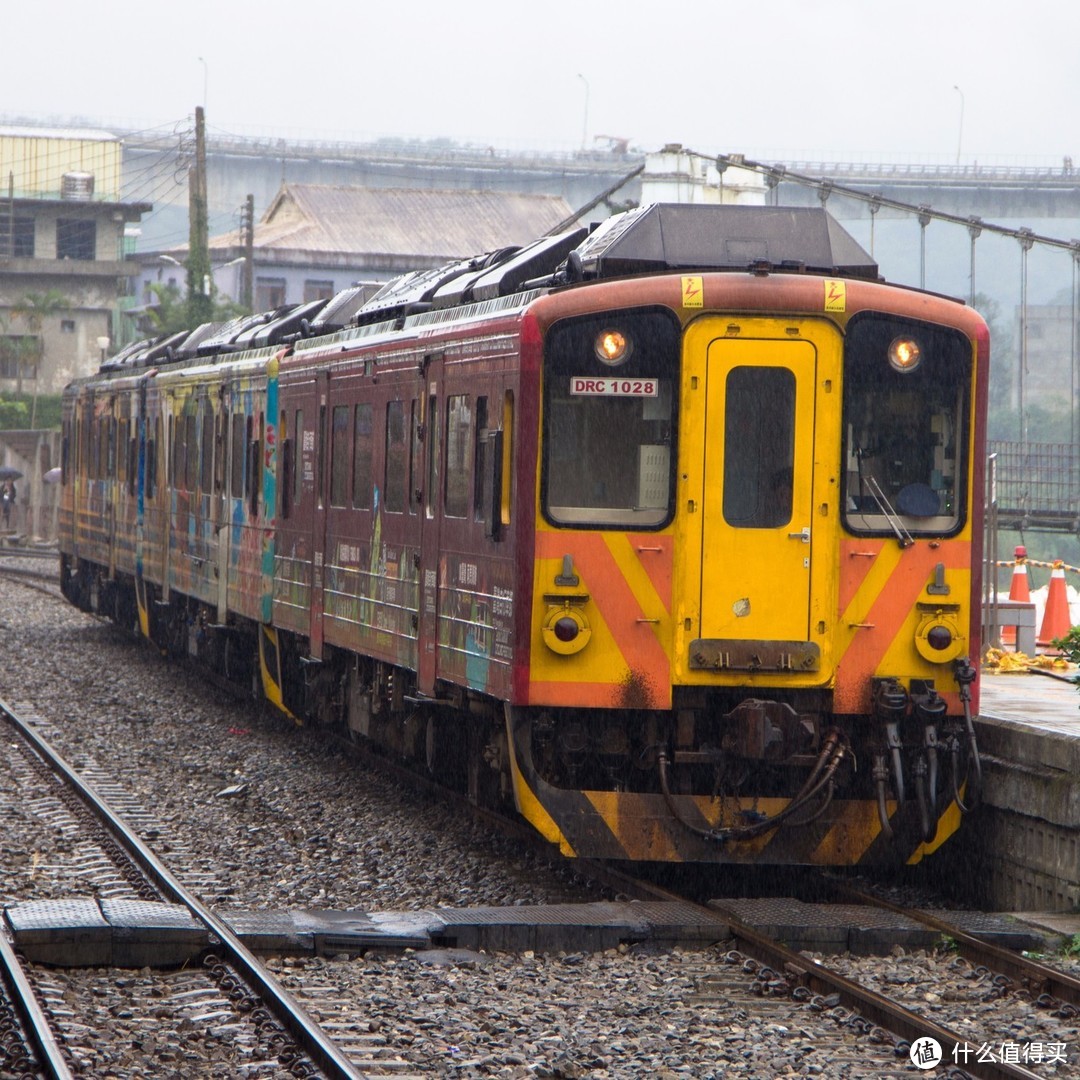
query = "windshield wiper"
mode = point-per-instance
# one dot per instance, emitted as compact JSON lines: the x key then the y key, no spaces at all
{"x":890,"y":514}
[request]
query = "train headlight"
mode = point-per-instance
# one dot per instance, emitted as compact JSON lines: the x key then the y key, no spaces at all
{"x":938,"y":637}
{"x":905,"y":354}
{"x":566,"y":630}
{"x":612,"y":347}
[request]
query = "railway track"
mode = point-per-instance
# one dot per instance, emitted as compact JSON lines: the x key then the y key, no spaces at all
{"x":32,"y":567}
{"x":244,"y":987}
{"x":743,"y":979}
{"x":755,"y":967}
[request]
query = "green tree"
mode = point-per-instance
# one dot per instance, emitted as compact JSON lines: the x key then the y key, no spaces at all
{"x":32,"y":310}
{"x":171,"y":313}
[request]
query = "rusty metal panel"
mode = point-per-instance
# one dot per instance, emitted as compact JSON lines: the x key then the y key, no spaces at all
{"x":732,"y":654}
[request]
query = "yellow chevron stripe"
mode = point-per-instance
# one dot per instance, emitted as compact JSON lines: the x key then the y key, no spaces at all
{"x":629,"y":563}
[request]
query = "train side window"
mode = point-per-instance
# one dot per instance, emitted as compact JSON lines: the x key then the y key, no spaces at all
{"x":220,"y":429}
{"x":173,"y":466}
{"x":320,"y":460}
{"x":191,"y":441}
{"x":92,"y":455}
{"x":339,"y":455}
{"x":431,"y":491}
{"x":121,"y":427}
{"x":288,"y":469}
{"x":298,"y":438}
{"x":759,"y":447}
{"x":396,"y":464}
{"x":133,"y":459}
{"x":236,"y":473}
{"x":458,"y":444}
{"x":152,"y":445}
{"x":206,"y":454}
{"x":416,"y":458}
{"x":254,"y":476}
{"x":503,"y":447}
{"x":362,"y":456}
{"x":480,"y":497}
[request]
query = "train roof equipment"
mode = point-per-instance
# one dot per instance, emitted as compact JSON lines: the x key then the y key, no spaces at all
{"x":679,"y":236}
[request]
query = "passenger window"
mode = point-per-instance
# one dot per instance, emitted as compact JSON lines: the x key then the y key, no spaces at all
{"x":362,"y":455}
{"x":339,"y":456}
{"x":236,"y":473}
{"x":458,"y":444}
{"x":396,"y":463}
{"x":431,"y":494}
{"x":206,"y":453}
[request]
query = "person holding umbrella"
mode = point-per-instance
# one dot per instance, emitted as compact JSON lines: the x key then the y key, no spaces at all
{"x":7,"y":501}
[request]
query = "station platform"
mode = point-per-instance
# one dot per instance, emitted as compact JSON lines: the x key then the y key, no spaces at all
{"x":1027,"y":844}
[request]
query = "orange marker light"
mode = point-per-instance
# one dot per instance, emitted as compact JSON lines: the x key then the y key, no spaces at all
{"x":612,"y":347}
{"x":905,"y":354}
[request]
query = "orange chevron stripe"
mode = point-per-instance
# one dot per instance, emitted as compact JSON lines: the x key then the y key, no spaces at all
{"x":619,"y":607}
{"x":854,"y":567}
{"x":656,"y":564}
{"x":889,"y":611}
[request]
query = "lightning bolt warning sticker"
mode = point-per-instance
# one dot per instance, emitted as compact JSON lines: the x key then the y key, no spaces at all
{"x":835,"y":296}
{"x":693,"y":294}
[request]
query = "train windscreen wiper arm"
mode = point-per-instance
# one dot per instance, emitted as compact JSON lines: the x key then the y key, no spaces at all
{"x":891,"y":516}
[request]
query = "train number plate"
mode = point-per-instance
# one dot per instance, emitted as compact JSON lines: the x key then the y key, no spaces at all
{"x":593,"y":386}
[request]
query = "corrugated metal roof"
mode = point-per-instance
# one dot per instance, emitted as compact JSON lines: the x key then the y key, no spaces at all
{"x":401,"y":222}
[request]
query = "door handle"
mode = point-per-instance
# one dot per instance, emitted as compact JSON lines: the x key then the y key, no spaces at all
{"x":804,"y":536}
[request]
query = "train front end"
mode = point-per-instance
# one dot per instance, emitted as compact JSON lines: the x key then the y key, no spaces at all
{"x":755,"y":573}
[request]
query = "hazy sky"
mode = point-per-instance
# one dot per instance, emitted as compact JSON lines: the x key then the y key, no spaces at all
{"x":791,"y":79}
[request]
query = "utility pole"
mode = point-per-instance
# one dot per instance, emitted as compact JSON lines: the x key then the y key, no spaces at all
{"x":246,"y":291}
{"x":199,"y":281}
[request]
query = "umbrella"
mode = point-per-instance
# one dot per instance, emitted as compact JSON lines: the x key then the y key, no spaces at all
{"x":53,"y":475}
{"x":8,"y":473}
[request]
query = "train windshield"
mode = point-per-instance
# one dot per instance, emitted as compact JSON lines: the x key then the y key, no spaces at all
{"x":610,"y":384}
{"x":907,"y":389}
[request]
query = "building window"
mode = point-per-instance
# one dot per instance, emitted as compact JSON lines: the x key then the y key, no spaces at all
{"x":17,"y":236}
{"x":67,"y":326}
{"x":318,"y":290}
{"x":76,"y":238}
{"x":269,"y":293}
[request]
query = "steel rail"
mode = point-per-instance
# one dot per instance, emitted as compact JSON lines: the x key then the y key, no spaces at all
{"x":875,"y":1008}
{"x":1039,"y":977}
{"x":309,"y":1037}
{"x":39,"y":1033}
{"x":820,"y":978}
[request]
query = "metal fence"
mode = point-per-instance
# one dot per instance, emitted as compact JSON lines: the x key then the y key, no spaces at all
{"x":1035,"y":485}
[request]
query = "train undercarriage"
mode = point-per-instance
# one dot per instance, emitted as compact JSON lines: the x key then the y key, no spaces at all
{"x":722,"y":777}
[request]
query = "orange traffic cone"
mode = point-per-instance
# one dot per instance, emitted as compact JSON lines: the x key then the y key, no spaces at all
{"x":1057,"y":621}
{"x":1019,"y":589}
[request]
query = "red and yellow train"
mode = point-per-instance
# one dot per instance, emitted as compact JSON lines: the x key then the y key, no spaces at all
{"x":667,"y":532}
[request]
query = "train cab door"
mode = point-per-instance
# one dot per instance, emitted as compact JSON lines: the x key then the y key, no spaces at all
{"x":757,"y":528}
{"x":431,"y":517}
{"x":318,"y":514}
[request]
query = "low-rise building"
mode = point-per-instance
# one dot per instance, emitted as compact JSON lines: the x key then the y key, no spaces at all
{"x":315,"y":240}
{"x":64,"y":265}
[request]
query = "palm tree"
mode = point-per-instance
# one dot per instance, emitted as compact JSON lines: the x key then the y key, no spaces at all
{"x":33,"y":309}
